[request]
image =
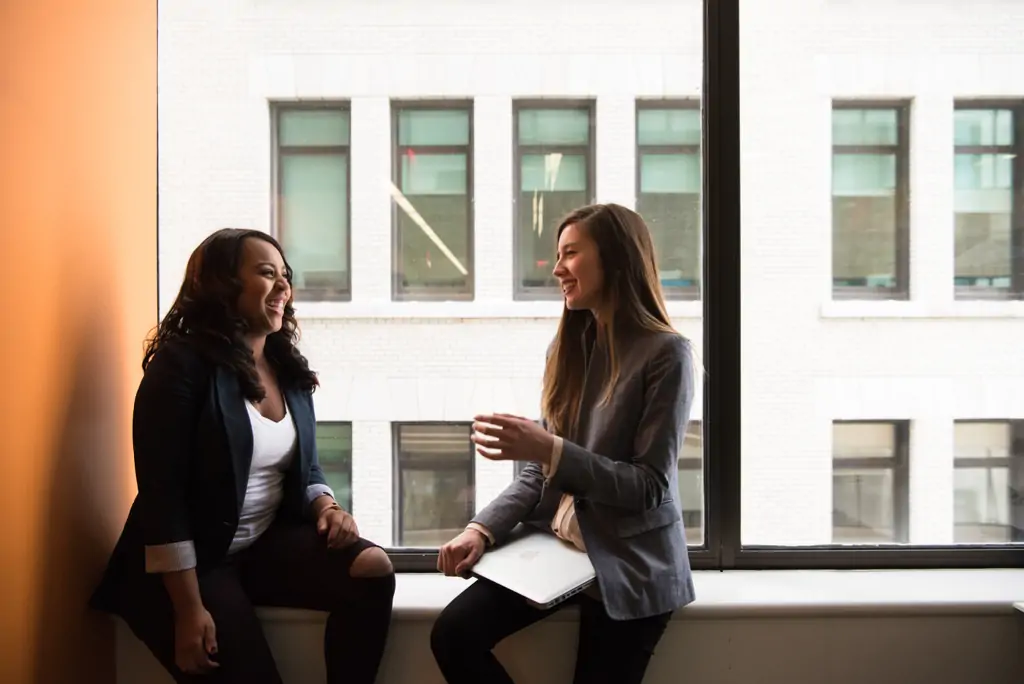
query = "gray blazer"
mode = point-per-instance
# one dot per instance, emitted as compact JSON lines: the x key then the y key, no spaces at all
{"x":621,"y":468}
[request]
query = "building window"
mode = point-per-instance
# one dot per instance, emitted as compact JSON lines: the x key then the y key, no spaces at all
{"x":870,"y":208}
{"x":433,"y":207}
{"x":312,"y":198}
{"x":554,"y":169}
{"x":870,"y":503}
{"x":334,"y":450}
{"x":668,"y":187}
{"x":691,"y":483}
{"x":434,"y":496}
{"x":989,"y":200}
{"x":988,"y":482}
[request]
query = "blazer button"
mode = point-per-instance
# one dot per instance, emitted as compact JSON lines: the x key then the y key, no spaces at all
{"x":225,"y":523}
{"x":580,"y":504}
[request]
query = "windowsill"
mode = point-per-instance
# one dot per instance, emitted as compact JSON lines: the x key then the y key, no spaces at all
{"x":910,"y":309}
{"x":477,"y":309}
{"x":770,"y":593}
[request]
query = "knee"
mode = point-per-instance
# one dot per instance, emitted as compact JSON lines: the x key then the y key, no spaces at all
{"x":372,"y":562}
{"x":449,"y":637}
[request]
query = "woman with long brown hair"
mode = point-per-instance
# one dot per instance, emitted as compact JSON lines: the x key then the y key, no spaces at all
{"x":233,"y":509}
{"x":601,"y":468}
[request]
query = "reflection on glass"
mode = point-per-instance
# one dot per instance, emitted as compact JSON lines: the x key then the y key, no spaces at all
{"x":668,"y":189}
{"x":866,"y":198}
{"x":334,"y":450}
{"x":554,"y":148}
{"x":312,"y":199}
{"x":987,"y":483}
{"x":869,"y":487}
{"x":436,"y":482}
{"x":433,"y":215}
{"x":983,"y":200}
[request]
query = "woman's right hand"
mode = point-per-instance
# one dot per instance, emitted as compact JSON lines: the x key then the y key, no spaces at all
{"x":195,"y":640}
{"x":460,"y":554}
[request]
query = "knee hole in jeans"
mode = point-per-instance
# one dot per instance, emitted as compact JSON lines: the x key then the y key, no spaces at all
{"x":372,"y":562}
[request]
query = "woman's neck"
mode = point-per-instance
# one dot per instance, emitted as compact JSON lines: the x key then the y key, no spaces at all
{"x":257,"y":344}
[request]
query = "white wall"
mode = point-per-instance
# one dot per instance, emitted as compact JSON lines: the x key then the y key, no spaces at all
{"x":806,"y":360}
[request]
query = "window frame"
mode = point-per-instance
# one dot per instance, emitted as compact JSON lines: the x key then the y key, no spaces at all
{"x":588,"y":104}
{"x":277,"y":108}
{"x":398,"y":294}
{"x":898,"y":463}
{"x":398,"y":491}
{"x":1014,"y":464}
{"x":686,"y":293}
{"x":901,"y":291}
{"x":721,"y":306}
{"x":1016,"y":289}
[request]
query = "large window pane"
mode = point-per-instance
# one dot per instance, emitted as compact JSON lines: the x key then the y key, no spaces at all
{"x":668,"y":190}
{"x":987,"y":486}
{"x":554,"y":168}
{"x":433,"y":202}
{"x":435,"y":495}
{"x":313,"y":199}
{"x":334,"y":449}
{"x":868,"y":202}
{"x":986,"y":200}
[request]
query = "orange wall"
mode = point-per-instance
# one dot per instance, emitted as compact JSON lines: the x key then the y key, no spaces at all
{"x":78,"y":282}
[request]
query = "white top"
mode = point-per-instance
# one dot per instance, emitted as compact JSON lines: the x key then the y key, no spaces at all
{"x":273,"y":447}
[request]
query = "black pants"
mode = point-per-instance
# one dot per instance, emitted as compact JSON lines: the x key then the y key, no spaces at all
{"x":609,"y":651}
{"x":288,"y":566}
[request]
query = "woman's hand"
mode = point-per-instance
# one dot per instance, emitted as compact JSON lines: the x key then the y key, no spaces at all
{"x":195,"y":640}
{"x":460,"y":554}
{"x":339,"y":527}
{"x":504,"y":437}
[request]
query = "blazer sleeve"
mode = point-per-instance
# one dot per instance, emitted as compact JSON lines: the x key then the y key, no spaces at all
{"x":164,"y":425}
{"x":317,"y":485}
{"x":641,"y":482}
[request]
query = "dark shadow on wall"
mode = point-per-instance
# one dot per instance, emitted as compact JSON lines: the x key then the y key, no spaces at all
{"x":83,"y":516}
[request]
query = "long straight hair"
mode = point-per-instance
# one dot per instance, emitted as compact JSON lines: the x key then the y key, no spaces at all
{"x":633,"y":299}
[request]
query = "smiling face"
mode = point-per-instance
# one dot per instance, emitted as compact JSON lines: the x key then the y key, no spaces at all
{"x":265,"y":287}
{"x":578,"y":269}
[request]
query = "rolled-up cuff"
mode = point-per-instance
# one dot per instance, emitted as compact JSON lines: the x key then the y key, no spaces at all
{"x":315,"y":491}
{"x":171,"y":557}
{"x":556,"y":456}
{"x":482,"y":530}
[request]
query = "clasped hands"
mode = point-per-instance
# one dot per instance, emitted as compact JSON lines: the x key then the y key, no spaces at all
{"x":505,"y":437}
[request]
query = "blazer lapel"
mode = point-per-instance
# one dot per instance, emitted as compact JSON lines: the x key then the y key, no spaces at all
{"x":237,"y":428}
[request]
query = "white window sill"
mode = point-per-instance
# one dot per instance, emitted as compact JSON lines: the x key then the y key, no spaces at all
{"x":910,"y":309}
{"x":477,"y":309}
{"x":770,"y":593}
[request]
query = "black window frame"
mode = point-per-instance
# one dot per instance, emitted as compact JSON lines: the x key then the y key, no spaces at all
{"x":277,"y":108}
{"x":588,"y":104}
{"x":686,"y":293}
{"x":901,"y":290}
{"x":397,"y":490}
{"x":898,"y":463}
{"x":721,"y":419}
{"x":1016,"y":148}
{"x":1014,"y":463}
{"x":425,"y":294}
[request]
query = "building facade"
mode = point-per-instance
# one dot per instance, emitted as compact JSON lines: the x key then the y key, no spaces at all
{"x":414,"y":158}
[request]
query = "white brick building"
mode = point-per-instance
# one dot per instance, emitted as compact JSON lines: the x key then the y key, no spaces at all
{"x":809,"y":358}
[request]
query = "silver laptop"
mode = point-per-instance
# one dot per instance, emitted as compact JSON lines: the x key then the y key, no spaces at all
{"x":538,"y":566}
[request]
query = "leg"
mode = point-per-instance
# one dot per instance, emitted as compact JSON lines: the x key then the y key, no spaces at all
{"x":242,"y":651}
{"x":613,"y":651}
{"x":473,"y":624}
{"x":291,"y":566}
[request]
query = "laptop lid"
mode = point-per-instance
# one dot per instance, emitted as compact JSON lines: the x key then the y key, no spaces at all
{"x":538,"y":566}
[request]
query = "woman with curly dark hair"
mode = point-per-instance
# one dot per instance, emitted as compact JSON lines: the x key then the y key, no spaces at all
{"x":233,"y":509}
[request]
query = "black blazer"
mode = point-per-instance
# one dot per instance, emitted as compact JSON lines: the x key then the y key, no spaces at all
{"x":193,"y":447}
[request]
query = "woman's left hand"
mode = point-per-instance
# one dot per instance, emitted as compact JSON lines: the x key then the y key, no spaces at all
{"x":504,"y":437}
{"x":338,"y":526}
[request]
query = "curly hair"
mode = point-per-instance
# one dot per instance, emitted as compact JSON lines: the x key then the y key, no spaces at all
{"x":205,"y":316}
